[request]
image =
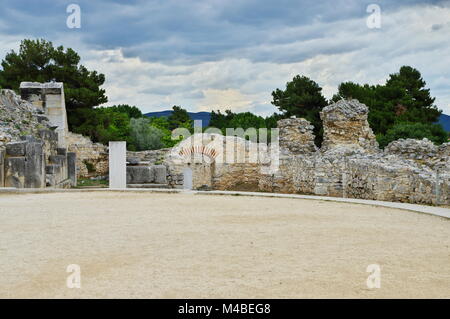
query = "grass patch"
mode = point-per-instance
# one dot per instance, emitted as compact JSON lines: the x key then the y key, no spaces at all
{"x":86,"y":182}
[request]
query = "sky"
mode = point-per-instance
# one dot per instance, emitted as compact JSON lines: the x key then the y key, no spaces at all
{"x":231,"y":54}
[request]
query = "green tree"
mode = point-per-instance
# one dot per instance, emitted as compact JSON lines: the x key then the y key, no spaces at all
{"x":131,"y":111}
{"x":415,"y":103}
{"x":40,"y":61}
{"x":179,"y":118}
{"x":403,"y":98}
{"x":162,"y":123}
{"x":103,"y":125}
{"x":302,"y":98}
{"x":433,"y":132}
{"x":221,"y":120}
{"x":144,"y":136}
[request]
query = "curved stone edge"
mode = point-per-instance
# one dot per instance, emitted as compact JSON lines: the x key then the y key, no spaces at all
{"x":430,"y":210}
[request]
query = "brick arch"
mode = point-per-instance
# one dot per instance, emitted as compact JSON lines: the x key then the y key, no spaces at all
{"x":200,"y":150}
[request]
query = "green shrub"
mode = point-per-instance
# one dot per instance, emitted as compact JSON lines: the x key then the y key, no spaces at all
{"x":144,"y":136}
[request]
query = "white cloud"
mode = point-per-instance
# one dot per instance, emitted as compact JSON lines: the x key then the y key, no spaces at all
{"x":243,"y":77}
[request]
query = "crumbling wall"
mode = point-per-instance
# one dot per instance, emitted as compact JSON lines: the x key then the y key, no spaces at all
{"x":296,"y":136}
{"x":18,"y":118}
{"x":92,"y":158}
{"x":345,"y":124}
{"x":29,"y":153}
{"x":152,"y":157}
{"x":422,"y":152}
{"x":349,"y":164}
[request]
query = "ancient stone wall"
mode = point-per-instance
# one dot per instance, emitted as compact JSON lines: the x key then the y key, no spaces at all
{"x":18,"y":118}
{"x":92,"y":158}
{"x":345,"y":123}
{"x":30,"y":156}
{"x":349,"y":164}
{"x":422,"y":152}
{"x":49,"y":99}
{"x":296,"y":136}
{"x":152,"y":157}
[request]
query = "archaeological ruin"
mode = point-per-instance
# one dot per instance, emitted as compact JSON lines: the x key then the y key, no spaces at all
{"x":33,"y":129}
{"x":37,"y":150}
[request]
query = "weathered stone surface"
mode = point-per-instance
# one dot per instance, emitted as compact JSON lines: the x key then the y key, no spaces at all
{"x":92,"y":158}
{"x":61,"y":151}
{"x":25,"y":131}
{"x":160,"y":173}
{"x":35,"y":166}
{"x":72,"y":167}
{"x":133,"y":160}
{"x":15,"y":172}
{"x":140,"y":175}
{"x":296,"y":136}
{"x":345,"y":123}
{"x":2,"y":167}
{"x":18,"y":117}
{"x":16,"y":149}
{"x":153,"y":157}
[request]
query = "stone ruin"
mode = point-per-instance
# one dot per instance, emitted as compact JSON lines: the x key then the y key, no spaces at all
{"x":349,"y":163}
{"x":37,"y":150}
{"x":33,"y":152}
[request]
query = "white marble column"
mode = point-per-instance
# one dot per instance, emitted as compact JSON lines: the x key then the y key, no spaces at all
{"x":117,"y":164}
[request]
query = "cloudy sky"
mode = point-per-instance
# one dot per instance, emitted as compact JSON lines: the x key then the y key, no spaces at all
{"x":231,"y":54}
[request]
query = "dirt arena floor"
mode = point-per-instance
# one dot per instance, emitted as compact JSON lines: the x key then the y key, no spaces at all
{"x":147,"y":245}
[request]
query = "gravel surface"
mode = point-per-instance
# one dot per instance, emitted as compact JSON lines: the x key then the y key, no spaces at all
{"x":146,"y":245}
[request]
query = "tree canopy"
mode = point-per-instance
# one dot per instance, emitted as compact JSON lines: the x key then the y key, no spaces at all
{"x":179,"y":118}
{"x":403,"y":98}
{"x":39,"y":61}
{"x":303,"y":98}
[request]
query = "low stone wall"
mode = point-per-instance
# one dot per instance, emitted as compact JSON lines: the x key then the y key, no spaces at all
{"x":154,"y":157}
{"x":25,"y":164}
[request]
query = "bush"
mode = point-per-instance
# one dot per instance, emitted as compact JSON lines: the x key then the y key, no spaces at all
{"x":144,"y":136}
{"x":433,"y":132}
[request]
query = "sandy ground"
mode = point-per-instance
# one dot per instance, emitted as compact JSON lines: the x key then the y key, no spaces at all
{"x":147,"y":245}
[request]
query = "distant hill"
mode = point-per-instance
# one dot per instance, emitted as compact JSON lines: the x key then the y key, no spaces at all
{"x":444,"y":120}
{"x":205,"y":117}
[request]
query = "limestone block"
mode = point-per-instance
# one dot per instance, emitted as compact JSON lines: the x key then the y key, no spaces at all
{"x":34,"y":166}
{"x":15,"y":172}
{"x":2,"y":167}
{"x":61,"y":151}
{"x":160,"y":172}
{"x":140,"y":175}
{"x":16,"y":149}
{"x":72,"y":168}
{"x":60,"y":160}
